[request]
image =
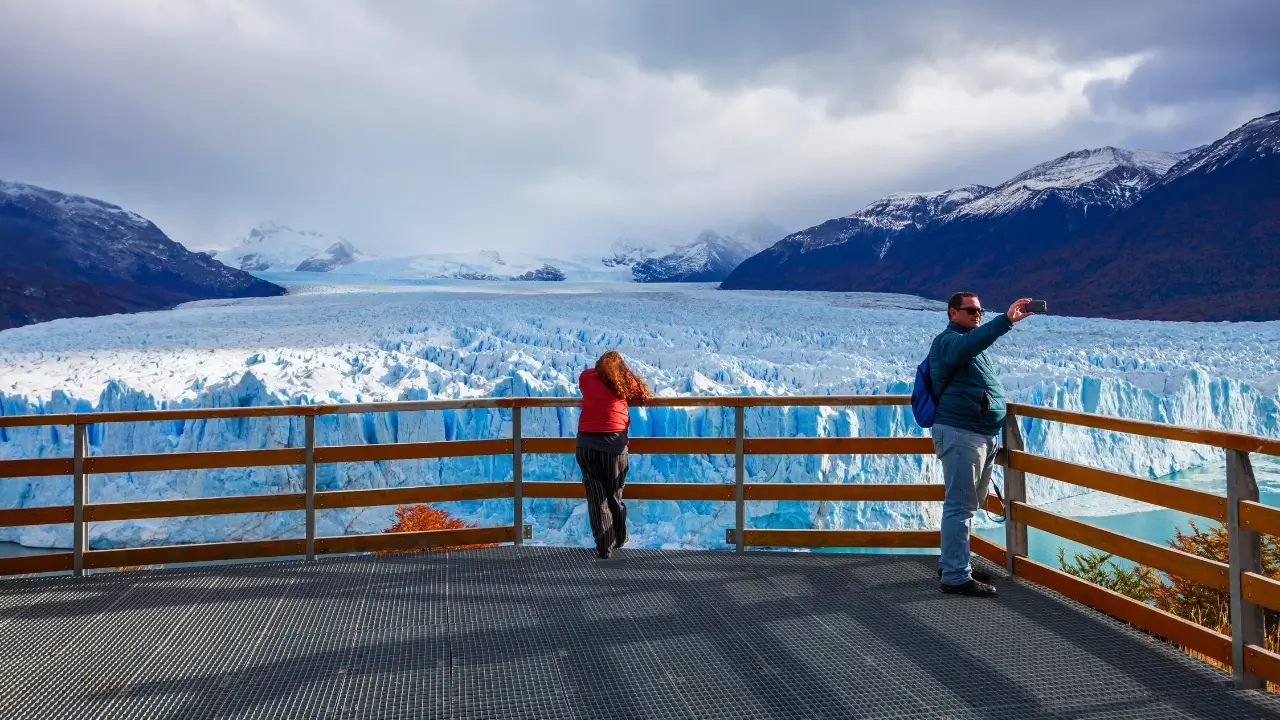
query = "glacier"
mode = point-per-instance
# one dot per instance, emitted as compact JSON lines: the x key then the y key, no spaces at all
{"x":345,"y":338}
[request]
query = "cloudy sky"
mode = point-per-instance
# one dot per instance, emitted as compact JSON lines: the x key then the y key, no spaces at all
{"x":561,"y":125}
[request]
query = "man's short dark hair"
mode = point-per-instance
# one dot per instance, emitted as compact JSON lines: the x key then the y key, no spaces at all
{"x":958,"y":299}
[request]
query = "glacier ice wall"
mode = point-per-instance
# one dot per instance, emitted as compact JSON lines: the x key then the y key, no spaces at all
{"x":358,"y":342}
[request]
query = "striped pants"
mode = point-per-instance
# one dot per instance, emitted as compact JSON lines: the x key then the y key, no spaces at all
{"x":604,"y":474}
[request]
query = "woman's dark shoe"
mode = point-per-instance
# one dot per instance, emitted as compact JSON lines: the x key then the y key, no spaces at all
{"x":626,"y":539}
{"x":981,"y":576}
{"x":972,"y":588}
{"x":604,"y":554}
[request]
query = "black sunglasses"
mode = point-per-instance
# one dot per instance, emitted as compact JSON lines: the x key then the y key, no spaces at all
{"x":972,"y":310}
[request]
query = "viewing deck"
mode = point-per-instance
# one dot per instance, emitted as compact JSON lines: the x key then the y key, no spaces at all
{"x":538,"y":632}
{"x":541,"y":632}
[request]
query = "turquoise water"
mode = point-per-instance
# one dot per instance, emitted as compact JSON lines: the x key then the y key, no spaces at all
{"x":8,"y":549}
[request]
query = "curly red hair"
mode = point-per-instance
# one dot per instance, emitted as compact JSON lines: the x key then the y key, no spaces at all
{"x":616,"y":376}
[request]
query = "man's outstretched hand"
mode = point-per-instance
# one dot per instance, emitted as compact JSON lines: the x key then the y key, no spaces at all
{"x":1016,"y":313}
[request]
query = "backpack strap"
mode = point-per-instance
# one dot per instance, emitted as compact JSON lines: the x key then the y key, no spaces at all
{"x":945,"y":385}
{"x":954,"y":371}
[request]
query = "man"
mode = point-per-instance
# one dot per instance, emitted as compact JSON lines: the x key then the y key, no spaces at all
{"x":968,"y":420}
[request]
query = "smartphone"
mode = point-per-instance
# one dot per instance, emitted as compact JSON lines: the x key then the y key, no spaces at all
{"x":1036,"y":306}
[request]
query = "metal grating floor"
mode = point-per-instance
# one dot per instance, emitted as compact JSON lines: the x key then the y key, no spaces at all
{"x":537,"y":632}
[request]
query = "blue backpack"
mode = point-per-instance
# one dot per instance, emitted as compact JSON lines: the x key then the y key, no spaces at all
{"x":924,"y":403}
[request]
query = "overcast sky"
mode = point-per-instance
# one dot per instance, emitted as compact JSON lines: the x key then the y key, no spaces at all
{"x":562,"y":125}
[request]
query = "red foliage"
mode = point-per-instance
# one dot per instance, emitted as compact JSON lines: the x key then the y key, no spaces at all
{"x":418,"y":518}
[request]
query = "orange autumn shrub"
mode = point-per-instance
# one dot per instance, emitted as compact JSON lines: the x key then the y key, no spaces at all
{"x":419,"y":518}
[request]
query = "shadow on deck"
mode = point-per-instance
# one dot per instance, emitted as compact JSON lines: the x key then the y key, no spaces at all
{"x":538,"y":632}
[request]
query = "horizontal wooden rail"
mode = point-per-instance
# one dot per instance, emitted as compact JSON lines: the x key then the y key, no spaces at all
{"x":1261,"y":590}
{"x":843,"y":538}
{"x":1149,"y":618}
{"x":1195,"y":502}
{"x":156,"y":415}
{"x":410,"y":495}
{"x":1262,"y":663}
{"x":558,"y":489}
{"x":1260,"y":518}
{"x":680,"y":446}
{"x":983,"y":547}
{"x":236,"y":504}
{"x":38,"y":467}
{"x":209,"y":460}
{"x":636,"y":491}
{"x":49,"y":515}
{"x":43,"y":563}
{"x":635,"y":446}
{"x":413,"y":540}
{"x":413,"y":406}
{"x":839,"y":446}
{"x":202,"y":552}
{"x":1175,"y":562}
{"x":1217,"y":438}
{"x":413,"y":451}
{"x":845,"y":492}
{"x":734,"y":401}
{"x":549,"y":446}
{"x":727,"y":401}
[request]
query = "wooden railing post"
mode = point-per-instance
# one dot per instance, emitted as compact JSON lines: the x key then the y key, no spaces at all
{"x":1244,"y":555}
{"x":310,"y":480}
{"x":80,"y":496}
{"x":1015,"y":490}
{"x":740,"y":477}
{"x":517,"y":476}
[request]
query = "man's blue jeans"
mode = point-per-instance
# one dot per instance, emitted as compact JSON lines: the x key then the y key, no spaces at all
{"x":967,"y":461}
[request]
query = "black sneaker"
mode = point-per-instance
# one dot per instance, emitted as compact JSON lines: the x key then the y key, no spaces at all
{"x":604,"y":554}
{"x":981,"y":576}
{"x":972,"y":588}
{"x":623,"y":541}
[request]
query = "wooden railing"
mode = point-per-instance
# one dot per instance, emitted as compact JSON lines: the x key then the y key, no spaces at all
{"x":1239,"y":510}
{"x":1244,"y":516}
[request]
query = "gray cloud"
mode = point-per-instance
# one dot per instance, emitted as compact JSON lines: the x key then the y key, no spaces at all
{"x":414,"y":126}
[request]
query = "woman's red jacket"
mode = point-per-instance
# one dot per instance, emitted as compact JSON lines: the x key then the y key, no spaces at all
{"x":602,"y":411}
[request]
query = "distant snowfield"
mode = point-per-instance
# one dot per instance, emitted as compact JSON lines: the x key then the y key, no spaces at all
{"x":348,"y":338}
{"x":487,"y":265}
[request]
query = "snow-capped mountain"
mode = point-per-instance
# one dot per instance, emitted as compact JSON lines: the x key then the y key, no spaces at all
{"x":892,"y":214}
{"x":1202,"y":244}
{"x":709,"y":258}
{"x":272,"y":247}
{"x":67,"y":255}
{"x":1108,"y":177}
{"x":860,"y":239}
{"x":625,"y":253}
{"x":491,"y":265}
{"x":1257,"y":139}
{"x":985,"y":239}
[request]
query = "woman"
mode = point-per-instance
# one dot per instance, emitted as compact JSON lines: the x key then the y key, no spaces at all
{"x":608,"y":390}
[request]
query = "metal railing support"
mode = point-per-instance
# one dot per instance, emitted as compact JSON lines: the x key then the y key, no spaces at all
{"x":80,"y":496}
{"x":1015,"y":490}
{"x":517,"y":476}
{"x":740,"y":477}
{"x":311,"y":485}
{"x":1244,"y":555}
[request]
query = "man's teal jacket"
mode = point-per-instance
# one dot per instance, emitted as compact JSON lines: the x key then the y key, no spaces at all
{"x":974,"y":398}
